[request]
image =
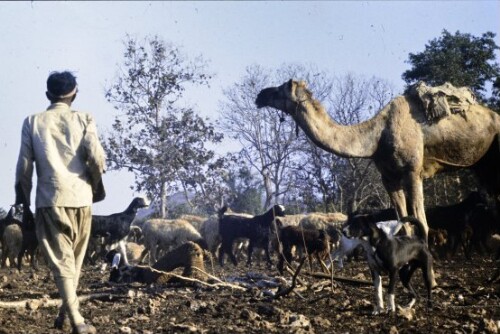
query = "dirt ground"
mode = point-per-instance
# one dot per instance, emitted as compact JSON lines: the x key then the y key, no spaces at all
{"x":464,"y":303}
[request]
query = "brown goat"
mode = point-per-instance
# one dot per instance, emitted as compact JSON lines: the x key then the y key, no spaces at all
{"x":189,"y":255}
{"x":311,"y":241}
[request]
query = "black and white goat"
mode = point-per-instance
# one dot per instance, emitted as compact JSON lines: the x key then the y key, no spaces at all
{"x":256,"y":229}
{"x":114,"y":228}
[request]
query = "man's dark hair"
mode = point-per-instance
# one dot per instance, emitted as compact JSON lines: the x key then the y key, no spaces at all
{"x":60,"y":84}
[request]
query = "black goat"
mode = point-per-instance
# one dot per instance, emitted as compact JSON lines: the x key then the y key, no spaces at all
{"x":453,"y":219}
{"x":115,"y":227}
{"x":30,"y":240}
{"x":310,"y":241}
{"x":256,"y":229}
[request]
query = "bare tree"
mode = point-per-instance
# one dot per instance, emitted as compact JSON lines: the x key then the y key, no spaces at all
{"x":269,"y":140}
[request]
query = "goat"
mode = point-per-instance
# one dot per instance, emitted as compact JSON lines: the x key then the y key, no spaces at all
{"x":188,"y":255}
{"x":483,"y":222}
{"x":164,"y":234}
{"x":115,"y":227}
{"x":256,"y":229}
{"x":311,"y":241}
{"x":209,"y":229}
{"x":29,"y":244}
{"x":453,"y":219}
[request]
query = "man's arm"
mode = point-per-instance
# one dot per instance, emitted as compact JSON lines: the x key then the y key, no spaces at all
{"x":24,"y":168}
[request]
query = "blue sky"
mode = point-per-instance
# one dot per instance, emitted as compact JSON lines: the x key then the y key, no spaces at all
{"x":371,"y":38}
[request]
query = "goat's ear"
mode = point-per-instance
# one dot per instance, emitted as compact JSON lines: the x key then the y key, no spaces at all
{"x":279,"y":223}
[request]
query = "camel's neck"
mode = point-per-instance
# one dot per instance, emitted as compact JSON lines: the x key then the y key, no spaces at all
{"x":354,"y":141}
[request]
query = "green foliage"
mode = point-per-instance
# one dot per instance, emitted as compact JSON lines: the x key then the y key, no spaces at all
{"x":245,"y":192}
{"x":461,"y":59}
{"x":164,"y":145}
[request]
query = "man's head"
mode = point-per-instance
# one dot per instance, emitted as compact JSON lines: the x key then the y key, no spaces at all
{"x":61,"y":87}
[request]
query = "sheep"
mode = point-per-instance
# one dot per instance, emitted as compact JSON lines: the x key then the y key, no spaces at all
{"x":7,"y":220}
{"x":12,"y":240}
{"x":134,"y":253}
{"x":164,"y":233}
{"x":209,"y":230}
{"x":292,"y":220}
{"x":330,"y":222}
{"x":188,"y":255}
{"x":115,"y":227}
{"x":312,"y":241}
{"x":256,"y":229}
{"x":196,"y":221}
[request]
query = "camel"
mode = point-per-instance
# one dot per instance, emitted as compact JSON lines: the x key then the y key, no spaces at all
{"x":404,"y":143}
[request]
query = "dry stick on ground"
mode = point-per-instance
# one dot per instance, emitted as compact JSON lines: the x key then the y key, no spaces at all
{"x":34,"y":304}
{"x":294,"y":279}
{"x":342,"y":279}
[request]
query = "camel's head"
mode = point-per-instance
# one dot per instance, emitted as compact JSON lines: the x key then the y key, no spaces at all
{"x":286,"y":97}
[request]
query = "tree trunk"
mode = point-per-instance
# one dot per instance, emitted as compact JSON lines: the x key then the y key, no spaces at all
{"x":163,"y":201}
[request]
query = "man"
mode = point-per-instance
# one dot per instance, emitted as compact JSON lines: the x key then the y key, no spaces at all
{"x":69,"y":159}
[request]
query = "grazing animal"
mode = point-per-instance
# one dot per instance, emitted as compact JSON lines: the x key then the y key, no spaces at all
{"x":134,"y":253}
{"x":29,"y":244}
{"x":256,"y":229}
{"x":18,"y":238}
{"x":310,"y":241}
{"x":209,"y":230}
{"x":398,"y":255}
{"x":115,"y":227}
{"x":194,"y":220}
{"x":453,"y":219}
{"x":483,"y":222}
{"x":163,"y":234}
{"x":438,"y":240}
{"x":188,"y":255}
{"x":12,"y":240}
{"x":407,"y":141}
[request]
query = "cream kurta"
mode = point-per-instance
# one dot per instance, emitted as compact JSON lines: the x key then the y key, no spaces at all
{"x":68,"y":155}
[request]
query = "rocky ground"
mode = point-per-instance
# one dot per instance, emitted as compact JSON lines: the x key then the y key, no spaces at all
{"x":464,"y":303}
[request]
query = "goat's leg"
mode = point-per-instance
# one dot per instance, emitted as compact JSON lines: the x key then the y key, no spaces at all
{"x":123,"y":250}
{"x":268,"y":256}
{"x":20,"y":258}
{"x":249,"y":253}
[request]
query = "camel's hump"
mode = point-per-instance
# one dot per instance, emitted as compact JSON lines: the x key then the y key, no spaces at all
{"x":441,"y":101}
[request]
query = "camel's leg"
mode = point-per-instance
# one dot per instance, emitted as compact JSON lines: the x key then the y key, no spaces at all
{"x":416,"y":202}
{"x":397,"y":196}
{"x":416,"y":199}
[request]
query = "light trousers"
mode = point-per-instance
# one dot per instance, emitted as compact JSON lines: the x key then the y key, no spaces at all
{"x":63,"y":234}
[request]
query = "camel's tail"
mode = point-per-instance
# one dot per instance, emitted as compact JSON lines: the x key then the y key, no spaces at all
{"x":420,"y":229}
